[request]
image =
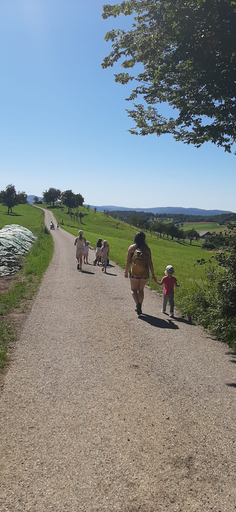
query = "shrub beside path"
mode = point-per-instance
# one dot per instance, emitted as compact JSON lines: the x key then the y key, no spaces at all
{"x":105,"y":411}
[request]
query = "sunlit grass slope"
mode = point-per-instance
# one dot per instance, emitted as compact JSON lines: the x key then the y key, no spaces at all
{"x":120,"y":235}
{"x":24,"y":215}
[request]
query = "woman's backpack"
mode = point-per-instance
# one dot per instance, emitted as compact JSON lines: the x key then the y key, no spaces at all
{"x":139,"y":263}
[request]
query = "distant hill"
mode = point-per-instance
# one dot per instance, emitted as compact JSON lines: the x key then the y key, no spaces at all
{"x":30,"y":199}
{"x":167,"y":209}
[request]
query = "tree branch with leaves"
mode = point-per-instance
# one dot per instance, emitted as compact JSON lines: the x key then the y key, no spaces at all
{"x":188,"y":53}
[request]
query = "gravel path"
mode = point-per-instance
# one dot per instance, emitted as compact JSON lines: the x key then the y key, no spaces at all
{"x":105,"y":411}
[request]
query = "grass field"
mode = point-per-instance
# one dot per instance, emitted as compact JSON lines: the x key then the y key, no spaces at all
{"x":24,"y":215}
{"x":164,"y":251}
{"x":208,"y":226}
{"x":17,"y":291}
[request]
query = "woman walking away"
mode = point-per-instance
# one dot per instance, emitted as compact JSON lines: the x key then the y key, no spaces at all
{"x":138,"y":263}
{"x":80,"y":242}
{"x":168,"y":292}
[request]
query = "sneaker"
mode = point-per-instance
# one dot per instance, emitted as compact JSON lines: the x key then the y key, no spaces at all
{"x":78,"y":266}
{"x":162,"y":311}
{"x":171,"y":315}
{"x":139,"y":308}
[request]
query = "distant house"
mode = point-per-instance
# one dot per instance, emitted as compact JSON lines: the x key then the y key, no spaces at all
{"x":205,"y":234}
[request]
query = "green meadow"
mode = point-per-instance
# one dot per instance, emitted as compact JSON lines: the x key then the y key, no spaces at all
{"x":209,"y":226}
{"x":24,"y":215}
{"x":22,"y":289}
{"x":120,"y":235}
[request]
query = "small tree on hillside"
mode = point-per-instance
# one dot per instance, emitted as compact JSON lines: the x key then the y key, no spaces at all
{"x":22,"y":198}
{"x":9,"y":197}
{"x":68,"y":199}
{"x":158,"y":227}
{"x":51,"y":195}
{"x":172,"y":230}
{"x":81,"y":215}
{"x":79,"y":200}
{"x":192,"y":234}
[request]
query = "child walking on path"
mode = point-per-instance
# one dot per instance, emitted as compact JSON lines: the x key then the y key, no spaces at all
{"x":86,"y":251}
{"x":104,"y":254}
{"x":168,"y":292}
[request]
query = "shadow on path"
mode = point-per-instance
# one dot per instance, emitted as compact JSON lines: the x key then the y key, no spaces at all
{"x":158,"y":322}
{"x":183,"y":320}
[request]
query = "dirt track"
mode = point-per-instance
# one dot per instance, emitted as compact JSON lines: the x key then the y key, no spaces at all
{"x":105,"y":411}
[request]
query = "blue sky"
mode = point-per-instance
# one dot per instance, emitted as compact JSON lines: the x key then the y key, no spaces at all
{"x":63,"y":122}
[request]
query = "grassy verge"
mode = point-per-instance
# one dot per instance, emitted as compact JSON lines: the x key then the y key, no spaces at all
{"x":34,"y":264}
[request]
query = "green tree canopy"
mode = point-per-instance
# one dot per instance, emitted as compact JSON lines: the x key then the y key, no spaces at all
{"x":9,"y":197}
{"x":71,"y":200}
{"x":187,"y":49}
{"x":51,"y":195}
{"x":191,"y":234}
{"x":68,"y":199}
{"x":22,"y":198}
{"x":79,"y":200}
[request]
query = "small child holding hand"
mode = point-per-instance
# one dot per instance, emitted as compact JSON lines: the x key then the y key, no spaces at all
{"x":168,"y":292}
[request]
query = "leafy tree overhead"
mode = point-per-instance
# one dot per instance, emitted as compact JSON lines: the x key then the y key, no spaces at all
{"x":51,"y":195}
{"x":187,"y":49}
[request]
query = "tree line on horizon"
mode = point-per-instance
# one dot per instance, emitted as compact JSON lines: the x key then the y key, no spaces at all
{"x":68,"y":198}
{"x":177,"y":218}
{"x":10,"y":198}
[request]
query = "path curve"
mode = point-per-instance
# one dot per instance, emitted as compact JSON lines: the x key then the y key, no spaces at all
{"x":105,"y":411}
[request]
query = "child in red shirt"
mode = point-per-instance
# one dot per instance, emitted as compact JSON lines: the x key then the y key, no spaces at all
{"x":168,"y":292}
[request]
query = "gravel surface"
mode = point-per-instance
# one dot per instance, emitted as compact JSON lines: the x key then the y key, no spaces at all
{"x":105,"y":411}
